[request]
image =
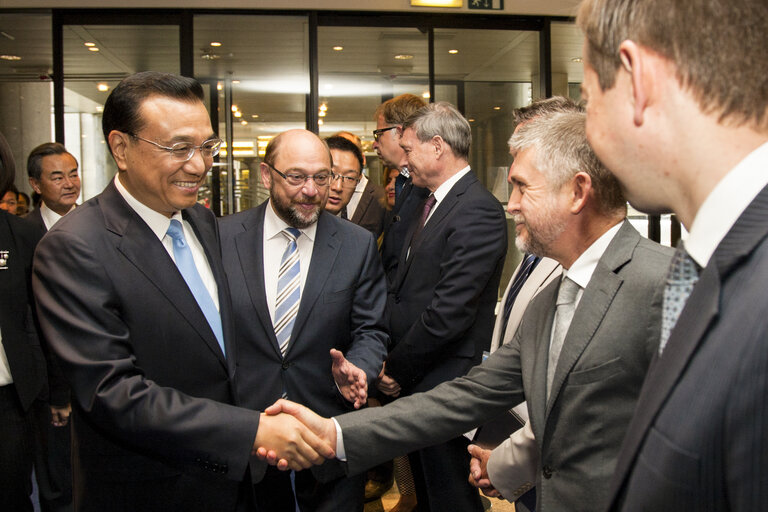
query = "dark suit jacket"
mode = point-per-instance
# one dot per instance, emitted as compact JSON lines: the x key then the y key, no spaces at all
{"x":58,"y":388}
{"x":151,"y":426}
{"x":20,"y":341}
{"x":605,"y":354}
{"x":342,"y":307}
{"x":699,"y":437}
{"x":371,"y":210}
{"x":442,"y":300}
{"x":397,"y":225}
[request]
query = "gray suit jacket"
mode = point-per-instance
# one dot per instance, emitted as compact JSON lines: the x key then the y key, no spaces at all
{"x":579,"y":430}
{"x":371,"y":210}
{"x":699,"y":438}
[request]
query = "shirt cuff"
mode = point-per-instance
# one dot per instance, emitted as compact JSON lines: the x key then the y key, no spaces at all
{"x":341,"y":454}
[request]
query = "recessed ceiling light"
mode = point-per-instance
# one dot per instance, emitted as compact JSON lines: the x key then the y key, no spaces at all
{"x":323,"y":107}
{"x":322,"y":113}
{"x":103,"y":87}
{"x":425,"y":95}
{"x":320,"y":122}
{"x":243,"y":122}
{"x":10,"y":57}
{"x":215,"y":43}
{"x":471,"y":119}
{"x":235,"y":108}
{"x":576,"y":59}
{"x":219,"y":86}
{"x":255,"y":116}
{"x":403,"y":56}
{"x":235,"y":81}
{"x":89,"y":44}
{"x":338,"y":48}
{"x":238,"y":114}
{"x":497,"y":107}
{"x":453,"y":52}
{"x":93,"y":49}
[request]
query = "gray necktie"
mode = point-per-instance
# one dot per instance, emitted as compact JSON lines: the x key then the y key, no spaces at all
{"x":566,"y":305}
{"x":682,"y":277}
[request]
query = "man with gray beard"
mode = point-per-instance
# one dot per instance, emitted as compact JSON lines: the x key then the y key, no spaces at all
{"x":307,"y":289}
{"x":581,"y":351}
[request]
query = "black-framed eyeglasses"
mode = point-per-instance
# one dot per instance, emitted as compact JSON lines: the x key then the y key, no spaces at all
{"x":183,"y":151}
{"x":377,"y":133}
{"x":295,"y":179}
{"x":346,"y":181}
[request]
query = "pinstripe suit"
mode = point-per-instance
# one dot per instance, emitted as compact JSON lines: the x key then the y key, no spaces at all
{"x":698,"y":438}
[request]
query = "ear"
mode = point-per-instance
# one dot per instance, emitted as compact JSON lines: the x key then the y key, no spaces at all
{"x":118,"y":142}
{"x":266,"y":175}
{"x":35,"y":185}
{"x":581,"y":190}
{"x":632,"y":62}
{"x":438,"y":144}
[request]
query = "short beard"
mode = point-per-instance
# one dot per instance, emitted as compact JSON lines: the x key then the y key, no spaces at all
{"x":290,"y":214}
{"x":540,"y":240}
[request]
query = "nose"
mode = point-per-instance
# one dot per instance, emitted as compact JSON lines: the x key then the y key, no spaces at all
{"x":336,"y":184}
{"x":197,"y":164}
{"x":513,"y":205}
{"x":310,"y":188}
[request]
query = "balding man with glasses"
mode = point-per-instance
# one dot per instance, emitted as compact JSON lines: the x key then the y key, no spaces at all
{"x":307,"y":290}
{"x":132,"y":297}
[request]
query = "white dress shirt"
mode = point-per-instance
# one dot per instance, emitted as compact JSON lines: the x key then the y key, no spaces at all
{"x":727,"y":201}
{"x":356,"y":195}
{"x":159,"y":225}
{"x":50,"y":217}
{"x":443,"y":190}
{"x":275,"y":244}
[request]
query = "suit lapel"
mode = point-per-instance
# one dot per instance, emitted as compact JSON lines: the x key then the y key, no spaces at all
{"x":700,"y":312}
{"x":324,"y":252}
{"x":146,"y":252}
{"x":362,"y":205}
{"x":250,"y":251}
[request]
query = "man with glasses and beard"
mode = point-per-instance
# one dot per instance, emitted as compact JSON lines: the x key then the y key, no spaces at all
{"x":307,"y":290}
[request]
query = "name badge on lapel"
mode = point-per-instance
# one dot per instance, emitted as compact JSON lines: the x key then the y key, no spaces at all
{"x":3,"y":260}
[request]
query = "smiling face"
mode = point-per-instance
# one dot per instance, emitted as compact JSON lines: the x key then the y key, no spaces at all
{"x":300,"y":152}
{"x":344,"y":164}
{"x":59,"y":183}
{"x":422,"y":160}
{"x":538,"y":211}
{"x":151,"y":174}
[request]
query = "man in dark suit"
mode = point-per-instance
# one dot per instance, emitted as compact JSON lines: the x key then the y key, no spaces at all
{"x":367,"y":205}
{"x":579,"y":358}
{"x":664,"y":116}
{"x":53,"y":174}
{"x":133,"y":299}
{"x":22,"y":365}
{"x":390,"y":117}
{"x":347,"y":170}
{"x":340,"y":295}
{"x":442,"y":299}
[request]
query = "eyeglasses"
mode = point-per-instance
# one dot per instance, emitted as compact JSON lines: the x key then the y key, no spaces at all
{"x":377,"y":133}
{"x":346,"y":181}
{"x":183,"y":151}
{"x":295,"y":179}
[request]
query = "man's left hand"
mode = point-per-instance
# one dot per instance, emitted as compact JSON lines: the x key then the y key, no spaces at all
{"x":351,"y":380}
{"x":60,"y":415}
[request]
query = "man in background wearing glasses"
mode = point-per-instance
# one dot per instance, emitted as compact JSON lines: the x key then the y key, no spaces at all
{"x":132,"y":297}
{"x":347,"y":170}
{"x":307,"y":290}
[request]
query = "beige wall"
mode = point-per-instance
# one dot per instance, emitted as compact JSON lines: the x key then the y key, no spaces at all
{"x":543,"y":7}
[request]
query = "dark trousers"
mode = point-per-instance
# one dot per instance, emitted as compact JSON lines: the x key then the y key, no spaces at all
{"x":274,"y":493}
{"x":440,"y":473}
{"x":16,"y":452}
{"x":53,"y":466}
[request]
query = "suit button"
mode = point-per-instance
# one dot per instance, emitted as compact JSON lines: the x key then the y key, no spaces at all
{"x":547,"y":472}
{"x":397,"y":299}
{"x":286,"y":365}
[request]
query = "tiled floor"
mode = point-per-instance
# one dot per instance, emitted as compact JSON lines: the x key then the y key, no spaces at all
{"x":390,"y":499}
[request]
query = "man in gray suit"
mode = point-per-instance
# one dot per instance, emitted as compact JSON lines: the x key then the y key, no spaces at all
{"x":568,"y":208}
{"x":665,"y":115}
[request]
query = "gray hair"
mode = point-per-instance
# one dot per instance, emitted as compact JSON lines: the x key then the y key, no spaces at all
{"x":442,"y":119}
{"x":560,"y":140}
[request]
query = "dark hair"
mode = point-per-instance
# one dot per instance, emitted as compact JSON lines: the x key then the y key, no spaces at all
{"x":343,"y":144}
{"x":34,"y":167}
{"x":121,"y":110}
{"x":7,"y":166}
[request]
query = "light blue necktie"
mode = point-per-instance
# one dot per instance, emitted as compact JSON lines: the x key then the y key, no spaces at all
{"x":682,"y":277}
{"x":288,"y":290}
{"x":186,"y":265}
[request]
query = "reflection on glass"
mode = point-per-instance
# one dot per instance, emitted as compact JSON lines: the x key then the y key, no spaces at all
{"x":259,"y":68}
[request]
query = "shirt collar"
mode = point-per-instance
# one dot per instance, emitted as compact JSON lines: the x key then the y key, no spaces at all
{"x":361,"y":184}
{"x":274,"y":225}
{"x":50,"y":217}
{"x":156,"y":221}
{"x":725,"y":204}
{"x":448,"y":184}
{"x":582,"y":269}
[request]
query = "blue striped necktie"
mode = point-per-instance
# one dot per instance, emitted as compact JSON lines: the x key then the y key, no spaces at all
{"x":288,"y":290}
{"x":186,"y":265}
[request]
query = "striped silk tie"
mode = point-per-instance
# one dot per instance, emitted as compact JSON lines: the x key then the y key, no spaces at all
{"x":288,"y":290}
